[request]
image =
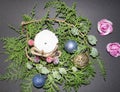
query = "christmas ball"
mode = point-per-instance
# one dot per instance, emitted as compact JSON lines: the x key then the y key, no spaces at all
{"x":39,"y":80}
{"x":70,"y":46}
{"x":81,"y":60}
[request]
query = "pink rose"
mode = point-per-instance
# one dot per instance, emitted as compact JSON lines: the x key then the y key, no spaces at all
{"x":114,"y":49}
{"x":105,"y":27}
{"x":30,"y":42}
{"x":49,"y":59}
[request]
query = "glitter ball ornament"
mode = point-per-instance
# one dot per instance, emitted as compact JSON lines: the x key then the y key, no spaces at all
{"x":70,"y":46}
{"x":39,"y":80}
{"x":81,"y":60}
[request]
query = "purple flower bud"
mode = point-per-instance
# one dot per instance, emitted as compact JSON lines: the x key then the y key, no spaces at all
{"x":56,"y":60}
{"x":36,"y":59}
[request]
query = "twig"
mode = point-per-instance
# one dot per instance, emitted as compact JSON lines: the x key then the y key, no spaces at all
{"x":57,"y":20}
{"x":26,"y":52}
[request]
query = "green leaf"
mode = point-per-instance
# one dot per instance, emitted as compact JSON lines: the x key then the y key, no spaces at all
{"x":39,"y":67}
{"x":102,"y":68}
{"x":14,"y":72}
{"x":26,"y":17}
{"x":13,"y":28}
{"x":26,"y":85}
{"x":32,"y":13}
{"x":74,"y":69}
{"x":92,"y":39}
{"x":81,"y":48}
{"x":29,"y":65}
{"x":62,"y":71}
{"x":44,"y":70}
{"x":94,"y":52}
{"x":74,"y":31}
{"x":56,"y":75}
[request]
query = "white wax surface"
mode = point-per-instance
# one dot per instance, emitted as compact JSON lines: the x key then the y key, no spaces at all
{"x":46,"y":41}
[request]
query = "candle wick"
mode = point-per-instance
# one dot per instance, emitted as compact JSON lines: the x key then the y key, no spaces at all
{"x":45,"y":43}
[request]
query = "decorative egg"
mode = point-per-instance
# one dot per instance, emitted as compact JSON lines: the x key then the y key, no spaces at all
{"x":71,"y":46}
{"x":45,"y":41}
{"x":81,"y":60}
{"x":39,"y":80}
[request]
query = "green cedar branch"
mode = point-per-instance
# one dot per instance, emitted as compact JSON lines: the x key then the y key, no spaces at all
{"x":53,"y":19}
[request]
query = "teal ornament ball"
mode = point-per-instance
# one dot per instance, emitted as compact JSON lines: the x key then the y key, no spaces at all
{"x":39,"y":80}
{"x":70,"y":46}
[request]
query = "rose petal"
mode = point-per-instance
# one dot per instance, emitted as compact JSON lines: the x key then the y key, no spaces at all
{"x":108,"y":47}
{"x":114,"y":53}
{"x":113,"y":49}
{"x":107,"y":21}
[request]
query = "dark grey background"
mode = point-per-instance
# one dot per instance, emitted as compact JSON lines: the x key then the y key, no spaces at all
{"x":11,"y":12}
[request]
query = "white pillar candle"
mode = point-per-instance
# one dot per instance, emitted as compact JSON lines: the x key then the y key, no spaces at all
{"x":45,"y":41}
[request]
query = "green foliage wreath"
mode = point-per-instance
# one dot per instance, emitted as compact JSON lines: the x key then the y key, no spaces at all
{"x":66,"y":73}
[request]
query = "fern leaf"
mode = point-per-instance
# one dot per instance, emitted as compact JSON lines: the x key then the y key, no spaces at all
{"x":102,"y":68}
{"x":26,"y":85}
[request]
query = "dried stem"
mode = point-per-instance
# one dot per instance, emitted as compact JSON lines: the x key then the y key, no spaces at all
{"x":57,"y":20}
{"x":26,"y":52}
